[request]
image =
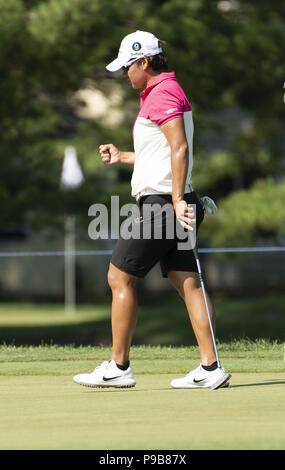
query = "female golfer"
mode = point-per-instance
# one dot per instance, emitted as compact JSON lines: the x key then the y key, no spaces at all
{"x":162,"y":161}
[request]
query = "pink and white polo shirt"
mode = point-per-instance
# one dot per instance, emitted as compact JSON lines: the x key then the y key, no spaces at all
{"x":161,"y":102}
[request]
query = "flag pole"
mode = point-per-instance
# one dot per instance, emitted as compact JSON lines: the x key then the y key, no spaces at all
{"x":71,"y":179}
{"x":69,"y":265}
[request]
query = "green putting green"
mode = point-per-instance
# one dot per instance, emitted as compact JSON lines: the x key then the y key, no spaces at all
{"x":42,"y":408}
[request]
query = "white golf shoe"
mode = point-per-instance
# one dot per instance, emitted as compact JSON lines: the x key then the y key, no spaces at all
{"x":201,"y":378}
{"x":107,"y":375}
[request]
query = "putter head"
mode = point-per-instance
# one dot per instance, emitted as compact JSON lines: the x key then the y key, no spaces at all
{"x":208,"y":205}
{"x":221,"y":383}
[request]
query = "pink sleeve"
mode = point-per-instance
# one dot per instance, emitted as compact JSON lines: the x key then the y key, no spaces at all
{"x":166,"y":106}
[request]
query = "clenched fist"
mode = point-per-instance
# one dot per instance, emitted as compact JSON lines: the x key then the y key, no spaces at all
{"x":110,"y":155}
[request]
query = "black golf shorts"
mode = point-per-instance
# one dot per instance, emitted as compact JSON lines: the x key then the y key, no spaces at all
{"x":138,"y":255}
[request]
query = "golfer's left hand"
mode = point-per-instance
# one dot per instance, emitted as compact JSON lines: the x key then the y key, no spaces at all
{"x":185,"y":215}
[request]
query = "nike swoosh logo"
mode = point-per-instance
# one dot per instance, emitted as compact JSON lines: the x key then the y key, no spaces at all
{"x":110,"y":378}
{"x":197,"y":381}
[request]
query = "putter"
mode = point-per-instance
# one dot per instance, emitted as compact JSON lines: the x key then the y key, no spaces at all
{"x":206,"y":303}
{"x":195,"y":251}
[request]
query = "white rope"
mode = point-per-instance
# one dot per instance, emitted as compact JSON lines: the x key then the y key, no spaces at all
{"x":262,"y":249}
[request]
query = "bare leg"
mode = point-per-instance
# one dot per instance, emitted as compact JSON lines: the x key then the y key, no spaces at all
{"x":124,"y":312}
{"x":188,"y":286}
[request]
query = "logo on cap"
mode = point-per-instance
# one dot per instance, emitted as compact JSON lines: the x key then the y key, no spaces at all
{"x":136,"y":46}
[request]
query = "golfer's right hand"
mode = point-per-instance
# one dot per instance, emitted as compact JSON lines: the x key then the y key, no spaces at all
{"x":110,"y":155}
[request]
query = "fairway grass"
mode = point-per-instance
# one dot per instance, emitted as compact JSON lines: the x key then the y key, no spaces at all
{"x":159,"y":323}
{"x":42,"y":408}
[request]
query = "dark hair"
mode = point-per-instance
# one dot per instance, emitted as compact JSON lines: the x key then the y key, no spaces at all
{"x":158,"y":62}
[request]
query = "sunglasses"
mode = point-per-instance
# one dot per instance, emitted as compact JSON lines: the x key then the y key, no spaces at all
{"x":126,"y":68}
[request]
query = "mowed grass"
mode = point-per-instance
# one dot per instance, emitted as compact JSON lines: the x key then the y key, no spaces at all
{"x":42,"y":408}
{"x":160,"y":323}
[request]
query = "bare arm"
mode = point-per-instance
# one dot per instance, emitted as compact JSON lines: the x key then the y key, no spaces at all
{"x":127,"y":157}
{"x":174,"y":132}
{"x":111,"y":155}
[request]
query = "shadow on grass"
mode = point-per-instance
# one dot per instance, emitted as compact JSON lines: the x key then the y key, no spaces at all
{"x":159,"y":323}
{"x":258,"y":384}
{"x":77,"y":334}
{"x":167,"y":389}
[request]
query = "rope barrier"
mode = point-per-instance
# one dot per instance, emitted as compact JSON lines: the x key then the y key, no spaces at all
{"x":262,"y":249}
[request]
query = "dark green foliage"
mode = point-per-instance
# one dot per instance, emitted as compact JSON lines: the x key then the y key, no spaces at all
{"x":227,"y":62}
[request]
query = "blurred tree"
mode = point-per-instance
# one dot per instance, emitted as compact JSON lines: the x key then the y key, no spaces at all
{"x":47,"y":50}
{"x":228,"y":56}
{"x":249,"y":216}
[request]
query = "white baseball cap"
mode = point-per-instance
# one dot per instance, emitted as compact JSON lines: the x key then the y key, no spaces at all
{"x":134,"y":46}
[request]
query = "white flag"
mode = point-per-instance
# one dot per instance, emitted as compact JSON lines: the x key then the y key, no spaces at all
{"x":71,"y":176}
